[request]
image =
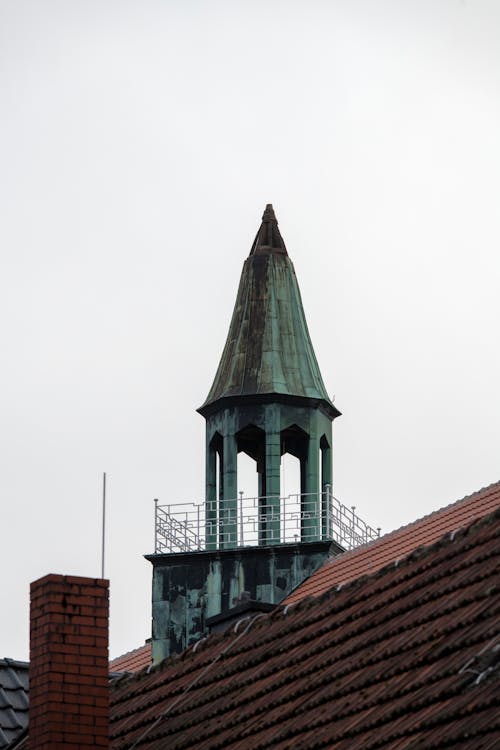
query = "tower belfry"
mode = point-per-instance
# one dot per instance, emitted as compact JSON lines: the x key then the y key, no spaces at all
{"x":267,"y":399}
{"x":229,"y":554}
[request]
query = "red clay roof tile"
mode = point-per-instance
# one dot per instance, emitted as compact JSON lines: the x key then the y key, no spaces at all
{"x":403,"y":658}
{"x":397,"y":544}
{"x":132,"y":661}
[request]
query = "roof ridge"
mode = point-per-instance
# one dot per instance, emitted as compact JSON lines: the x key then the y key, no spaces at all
{"x":419,"y":552}
{"x":416,"y":522}
{"x":484,"y":489}
{"x":14,"y":662}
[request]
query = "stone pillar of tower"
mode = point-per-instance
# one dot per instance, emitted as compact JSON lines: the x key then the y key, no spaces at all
{"x":267,"y":399}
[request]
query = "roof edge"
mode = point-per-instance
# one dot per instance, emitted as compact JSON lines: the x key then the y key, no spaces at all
{"x":210,"y":407}
{"x":421,"y":551}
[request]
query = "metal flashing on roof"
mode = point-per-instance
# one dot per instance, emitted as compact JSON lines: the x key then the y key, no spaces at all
{"x":244,"y":609}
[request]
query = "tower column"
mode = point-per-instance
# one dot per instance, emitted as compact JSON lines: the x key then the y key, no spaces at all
{"x":228,"y":507}
{"x":269,"y":505}
{"x":310,"y":505}
{"x":326,"y":479}
{"x":210,"y":496}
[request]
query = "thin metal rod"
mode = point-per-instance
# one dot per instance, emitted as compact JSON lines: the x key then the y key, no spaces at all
{"x":241,"y":519}
{"x":103,"y":522}
{"x":156,"y":540}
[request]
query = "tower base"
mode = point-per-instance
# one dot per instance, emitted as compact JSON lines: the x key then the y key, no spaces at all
{"x":191,"y":587}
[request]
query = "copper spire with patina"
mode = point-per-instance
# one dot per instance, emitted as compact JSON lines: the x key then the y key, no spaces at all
{"x":268,"y":348}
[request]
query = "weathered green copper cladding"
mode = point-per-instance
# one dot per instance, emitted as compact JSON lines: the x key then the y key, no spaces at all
{"x":267,"y":399}
{"x":268,"y":348}
{"x":189,"y":588}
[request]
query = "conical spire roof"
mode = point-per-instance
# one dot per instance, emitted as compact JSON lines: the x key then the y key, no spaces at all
{"x":268,"y":348}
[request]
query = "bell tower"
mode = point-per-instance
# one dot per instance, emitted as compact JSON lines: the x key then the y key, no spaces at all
{"x":267,"y":399}
{"x":217,"y":560}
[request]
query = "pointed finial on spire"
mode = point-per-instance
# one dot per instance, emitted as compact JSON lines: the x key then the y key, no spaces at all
{"x":269,"y":214}
{"x":268,"y":239}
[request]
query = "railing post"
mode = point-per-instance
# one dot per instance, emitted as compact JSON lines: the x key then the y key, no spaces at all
{"x":229,"y":500}
{"x":241,"y":518}
{"x":156,"y":525}
{"x":328,"y":513}
{"x":283,"y":523}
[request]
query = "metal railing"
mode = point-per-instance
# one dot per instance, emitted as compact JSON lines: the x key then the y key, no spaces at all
{"x":251,"y":521}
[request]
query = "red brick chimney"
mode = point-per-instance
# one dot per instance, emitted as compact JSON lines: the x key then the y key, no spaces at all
{"x":69,"y":671}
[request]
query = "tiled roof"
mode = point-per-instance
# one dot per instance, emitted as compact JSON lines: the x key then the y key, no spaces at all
{"x":132,"y":661}
{"x":13,"y":700}
{"x":407,"y":658}
{"x":14,"y":692}
{"x":371,"y":557}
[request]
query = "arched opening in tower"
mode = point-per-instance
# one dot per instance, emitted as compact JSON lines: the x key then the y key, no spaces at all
{"x":248,"y":480}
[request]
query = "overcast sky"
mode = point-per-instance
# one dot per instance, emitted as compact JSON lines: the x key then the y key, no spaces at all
{"x":140,"y":142}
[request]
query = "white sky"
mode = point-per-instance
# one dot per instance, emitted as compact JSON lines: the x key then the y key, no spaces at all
{"x":139,"y":143}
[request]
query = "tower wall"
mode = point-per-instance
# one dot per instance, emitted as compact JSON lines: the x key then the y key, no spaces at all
{"x":188,"y":588}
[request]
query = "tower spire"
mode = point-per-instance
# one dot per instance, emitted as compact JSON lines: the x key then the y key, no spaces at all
{"x":267,"y":399}
{"x":268,"y":349}
{"x":268,"y":238}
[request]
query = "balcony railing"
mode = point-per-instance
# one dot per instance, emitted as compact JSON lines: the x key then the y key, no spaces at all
{"x":252,"y":521}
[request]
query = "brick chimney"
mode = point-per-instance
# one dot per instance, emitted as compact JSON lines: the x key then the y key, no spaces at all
{"x":69,"y":670}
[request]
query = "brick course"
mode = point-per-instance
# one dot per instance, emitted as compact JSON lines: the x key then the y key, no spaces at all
{"x":69,"y":682}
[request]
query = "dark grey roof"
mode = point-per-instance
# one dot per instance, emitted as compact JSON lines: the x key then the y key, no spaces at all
{"x":13,"y":700}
